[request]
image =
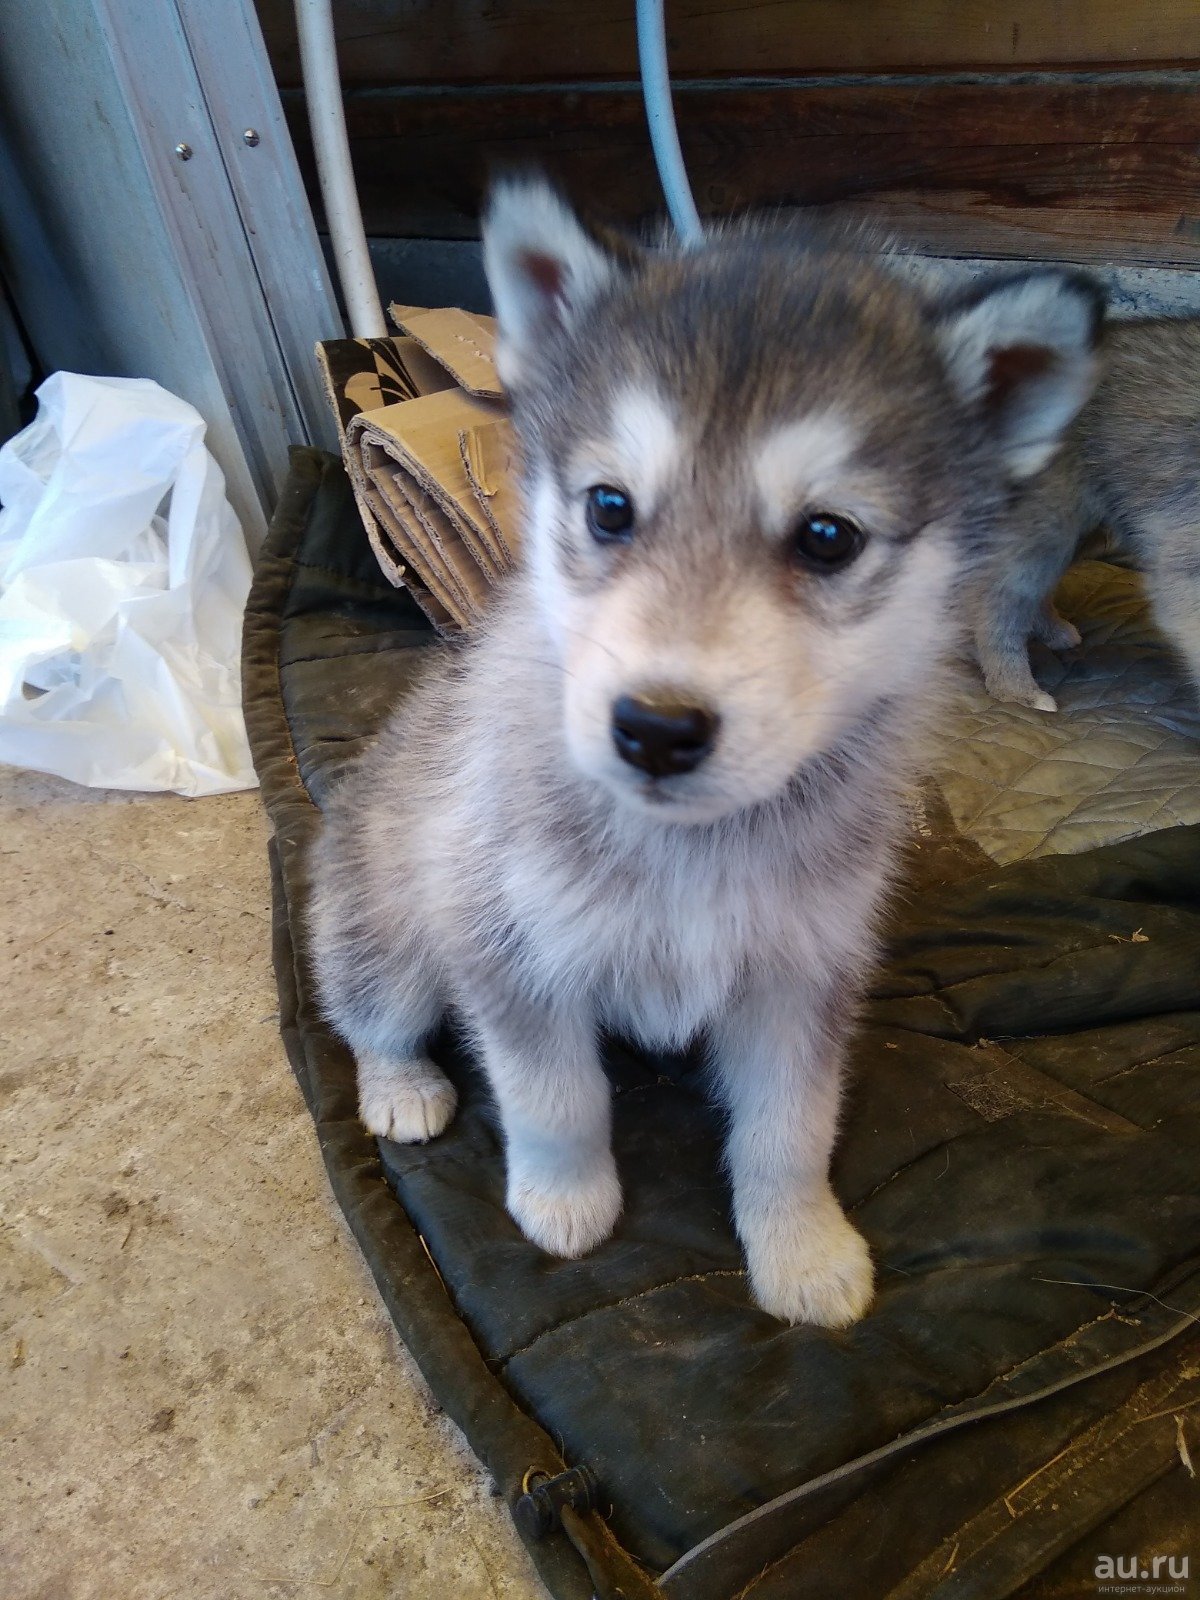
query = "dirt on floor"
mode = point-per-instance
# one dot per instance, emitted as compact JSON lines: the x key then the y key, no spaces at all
{"x":202,"y":1395}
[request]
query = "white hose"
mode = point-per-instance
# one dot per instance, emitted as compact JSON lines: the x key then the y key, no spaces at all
{"x":664,"y":137}
{"x":327,"y":119}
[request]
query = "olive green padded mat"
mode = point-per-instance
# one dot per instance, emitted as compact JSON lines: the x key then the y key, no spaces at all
{"x":1020,"y":1149}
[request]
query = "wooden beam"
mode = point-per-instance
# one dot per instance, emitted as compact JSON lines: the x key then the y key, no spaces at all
{"x":1075,"y":167}
{"x":389,"y":42}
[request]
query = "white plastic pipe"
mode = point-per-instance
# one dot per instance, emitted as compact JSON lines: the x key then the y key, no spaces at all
{"x":327,"y":119}
{"x":660,"y":114}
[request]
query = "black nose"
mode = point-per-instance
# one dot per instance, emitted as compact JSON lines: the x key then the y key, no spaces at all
{"x":662,"y":735}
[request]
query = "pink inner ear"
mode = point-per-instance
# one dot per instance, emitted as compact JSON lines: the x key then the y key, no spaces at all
{"x":547,"y":273}
{"x":1013,"y":365}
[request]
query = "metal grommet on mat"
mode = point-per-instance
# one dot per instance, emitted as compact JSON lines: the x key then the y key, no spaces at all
{"x":539,"y":1510}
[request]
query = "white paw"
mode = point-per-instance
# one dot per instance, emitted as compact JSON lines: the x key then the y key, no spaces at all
{"x":568,"y":1215}
{"x":1039,"y":700}
{"x":810,"y":1266}
{"x":1033,"y":697}
{"x":408,"y":1110}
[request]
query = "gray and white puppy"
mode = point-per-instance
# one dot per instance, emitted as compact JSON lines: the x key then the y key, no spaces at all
{"x":660,"y":792}
{"x":1131,"y":460}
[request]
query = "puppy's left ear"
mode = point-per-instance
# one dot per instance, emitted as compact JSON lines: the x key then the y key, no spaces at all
{"x":1023,"y":353}
{"x":543,"y":268}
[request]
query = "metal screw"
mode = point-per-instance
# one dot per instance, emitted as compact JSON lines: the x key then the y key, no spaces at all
{"x":250,"y":137}
{"x":183,"y":151}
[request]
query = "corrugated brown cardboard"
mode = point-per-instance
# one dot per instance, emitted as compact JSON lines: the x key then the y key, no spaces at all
{"x":461,"y":341}
{"x":489,"y":453}
{"x":431,"y":456}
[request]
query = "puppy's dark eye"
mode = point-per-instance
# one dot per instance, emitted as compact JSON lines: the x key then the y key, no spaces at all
{"x":609,"y":514}
{"x":826,"y":541}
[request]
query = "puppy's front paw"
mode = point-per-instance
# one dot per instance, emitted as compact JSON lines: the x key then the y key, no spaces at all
{"x":566,"y":1215}
{"x":1039,"y":700}
{"x":1021,"y":692}
{"x":408,"y":1107}
{"x":808,"y":1264}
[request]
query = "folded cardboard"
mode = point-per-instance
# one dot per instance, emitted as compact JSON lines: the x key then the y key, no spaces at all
{"x":463,"y":342}
{"x":431,"y":456}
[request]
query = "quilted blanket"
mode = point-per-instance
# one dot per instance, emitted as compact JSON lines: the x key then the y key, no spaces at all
{"x":1119,"y":758}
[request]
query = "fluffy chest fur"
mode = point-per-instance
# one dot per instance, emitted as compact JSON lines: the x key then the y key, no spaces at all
{"x":652,"y":938}
{"x":545,"y":882}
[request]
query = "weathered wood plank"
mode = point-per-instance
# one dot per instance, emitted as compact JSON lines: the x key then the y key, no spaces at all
{"x":1091,"y":170}
{"x":389,"y":42}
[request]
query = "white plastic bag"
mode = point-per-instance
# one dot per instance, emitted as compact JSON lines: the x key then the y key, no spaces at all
{"x":123,"y":577}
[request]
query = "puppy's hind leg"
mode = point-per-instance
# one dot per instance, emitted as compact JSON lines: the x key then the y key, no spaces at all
{"x":401,"y":1094}
{"x":385,"y":1000}
{"x":1053,"y":629}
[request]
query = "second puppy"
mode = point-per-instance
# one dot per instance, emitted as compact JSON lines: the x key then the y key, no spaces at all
{"x":1131,"y":460}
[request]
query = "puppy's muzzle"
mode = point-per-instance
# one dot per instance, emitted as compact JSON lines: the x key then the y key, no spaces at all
{"x":662,"y":734}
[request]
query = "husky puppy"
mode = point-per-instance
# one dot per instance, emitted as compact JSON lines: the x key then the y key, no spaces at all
{"x":1131,"y":460}
{"x":660,"y":792}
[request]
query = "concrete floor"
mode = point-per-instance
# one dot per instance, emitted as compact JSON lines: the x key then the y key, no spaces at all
{"x":200,"y":1393}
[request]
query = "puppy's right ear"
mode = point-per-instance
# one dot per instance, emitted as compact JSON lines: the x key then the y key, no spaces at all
{"x":542,"y":267}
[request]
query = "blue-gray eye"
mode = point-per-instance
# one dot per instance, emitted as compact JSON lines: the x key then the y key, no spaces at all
{"x":609,"y":514}
{"x":825,"y":541}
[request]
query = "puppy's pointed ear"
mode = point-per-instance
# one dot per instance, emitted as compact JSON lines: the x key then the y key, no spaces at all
{"x":543,"y":268}
{"x":1023,"y":353}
